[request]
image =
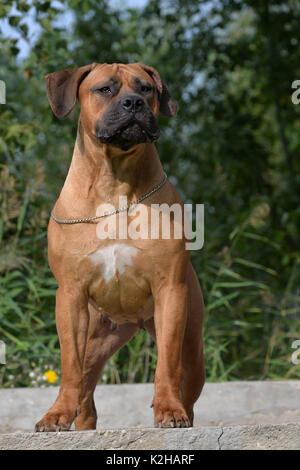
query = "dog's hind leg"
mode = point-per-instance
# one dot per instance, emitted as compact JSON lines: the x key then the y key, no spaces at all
{"x":104,"y":339}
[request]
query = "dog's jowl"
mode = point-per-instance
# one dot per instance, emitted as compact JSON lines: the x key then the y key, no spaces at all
{"x":109,"y":287}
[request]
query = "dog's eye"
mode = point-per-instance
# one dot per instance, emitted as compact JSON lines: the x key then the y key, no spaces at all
{"x":105,"y":90}
{"x":145,"y":88}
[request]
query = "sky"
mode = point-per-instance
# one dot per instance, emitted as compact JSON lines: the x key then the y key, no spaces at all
{"x":66,"y":19}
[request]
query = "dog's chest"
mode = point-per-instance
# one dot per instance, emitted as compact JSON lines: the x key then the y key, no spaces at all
{"x":113,"y":260}
{"x":118,"y":286}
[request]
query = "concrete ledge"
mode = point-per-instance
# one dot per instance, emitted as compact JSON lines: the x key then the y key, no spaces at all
{"x":128,"y":406}
{"x":280,"y":436}
{"x":231,"y":415}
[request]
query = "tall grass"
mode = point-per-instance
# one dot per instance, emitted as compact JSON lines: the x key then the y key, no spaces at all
{"x":249,"y":326}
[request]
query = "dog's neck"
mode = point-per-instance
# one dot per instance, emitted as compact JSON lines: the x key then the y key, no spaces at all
{"x":100,"y":173}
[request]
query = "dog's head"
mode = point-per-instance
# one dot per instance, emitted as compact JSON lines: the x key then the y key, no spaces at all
{"x":119,"y":103}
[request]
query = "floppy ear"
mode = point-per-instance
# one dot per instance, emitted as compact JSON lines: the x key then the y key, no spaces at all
{"x":62,"y":88}
{"x":167,"y":106}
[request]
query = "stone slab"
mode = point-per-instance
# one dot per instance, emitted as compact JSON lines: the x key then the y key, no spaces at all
{"x":128,"y":406}
{"x":248,"y":437}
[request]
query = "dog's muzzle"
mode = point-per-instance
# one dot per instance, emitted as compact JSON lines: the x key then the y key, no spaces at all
{"x":128,"y":123}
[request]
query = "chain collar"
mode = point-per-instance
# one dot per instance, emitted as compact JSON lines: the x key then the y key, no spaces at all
{"x":107,"y":214}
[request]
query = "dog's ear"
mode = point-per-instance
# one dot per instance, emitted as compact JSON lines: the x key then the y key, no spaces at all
{"x":62,"y":88}
{"x":167,"y":105}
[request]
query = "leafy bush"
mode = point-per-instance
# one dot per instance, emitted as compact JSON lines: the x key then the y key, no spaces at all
{"x":234,"y":146}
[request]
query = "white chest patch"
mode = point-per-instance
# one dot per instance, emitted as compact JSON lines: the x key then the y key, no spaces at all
{"x":113,"y":258}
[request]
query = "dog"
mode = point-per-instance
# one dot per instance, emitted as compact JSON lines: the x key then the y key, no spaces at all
{"x":109,"y":288}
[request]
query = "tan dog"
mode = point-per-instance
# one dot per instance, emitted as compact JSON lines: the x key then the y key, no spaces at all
{"x":133,"y":283}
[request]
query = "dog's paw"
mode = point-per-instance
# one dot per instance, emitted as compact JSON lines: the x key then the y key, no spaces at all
{"x":170,"y":418}
{"x":55,"y":422}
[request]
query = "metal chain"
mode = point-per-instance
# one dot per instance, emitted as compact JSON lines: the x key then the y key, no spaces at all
{"x":116,"y":211}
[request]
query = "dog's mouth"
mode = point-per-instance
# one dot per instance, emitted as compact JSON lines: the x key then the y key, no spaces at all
{"x":130,"y":133}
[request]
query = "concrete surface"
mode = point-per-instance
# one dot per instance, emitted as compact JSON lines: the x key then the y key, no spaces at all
{"x":249,"y":437}
{"x":127,"y":406}
{"x":269,"y":413}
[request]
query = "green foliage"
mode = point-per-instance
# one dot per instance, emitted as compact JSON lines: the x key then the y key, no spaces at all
{"x":234,"y":146}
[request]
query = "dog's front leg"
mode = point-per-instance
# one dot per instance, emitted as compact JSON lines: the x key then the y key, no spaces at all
{"x":170,"y":319}
{"x":72,"y":320}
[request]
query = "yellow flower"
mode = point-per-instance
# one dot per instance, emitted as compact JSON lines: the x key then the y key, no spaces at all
{"x":51,"y":376}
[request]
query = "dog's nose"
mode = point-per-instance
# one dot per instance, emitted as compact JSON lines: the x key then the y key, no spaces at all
{"x":132,"y":102}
